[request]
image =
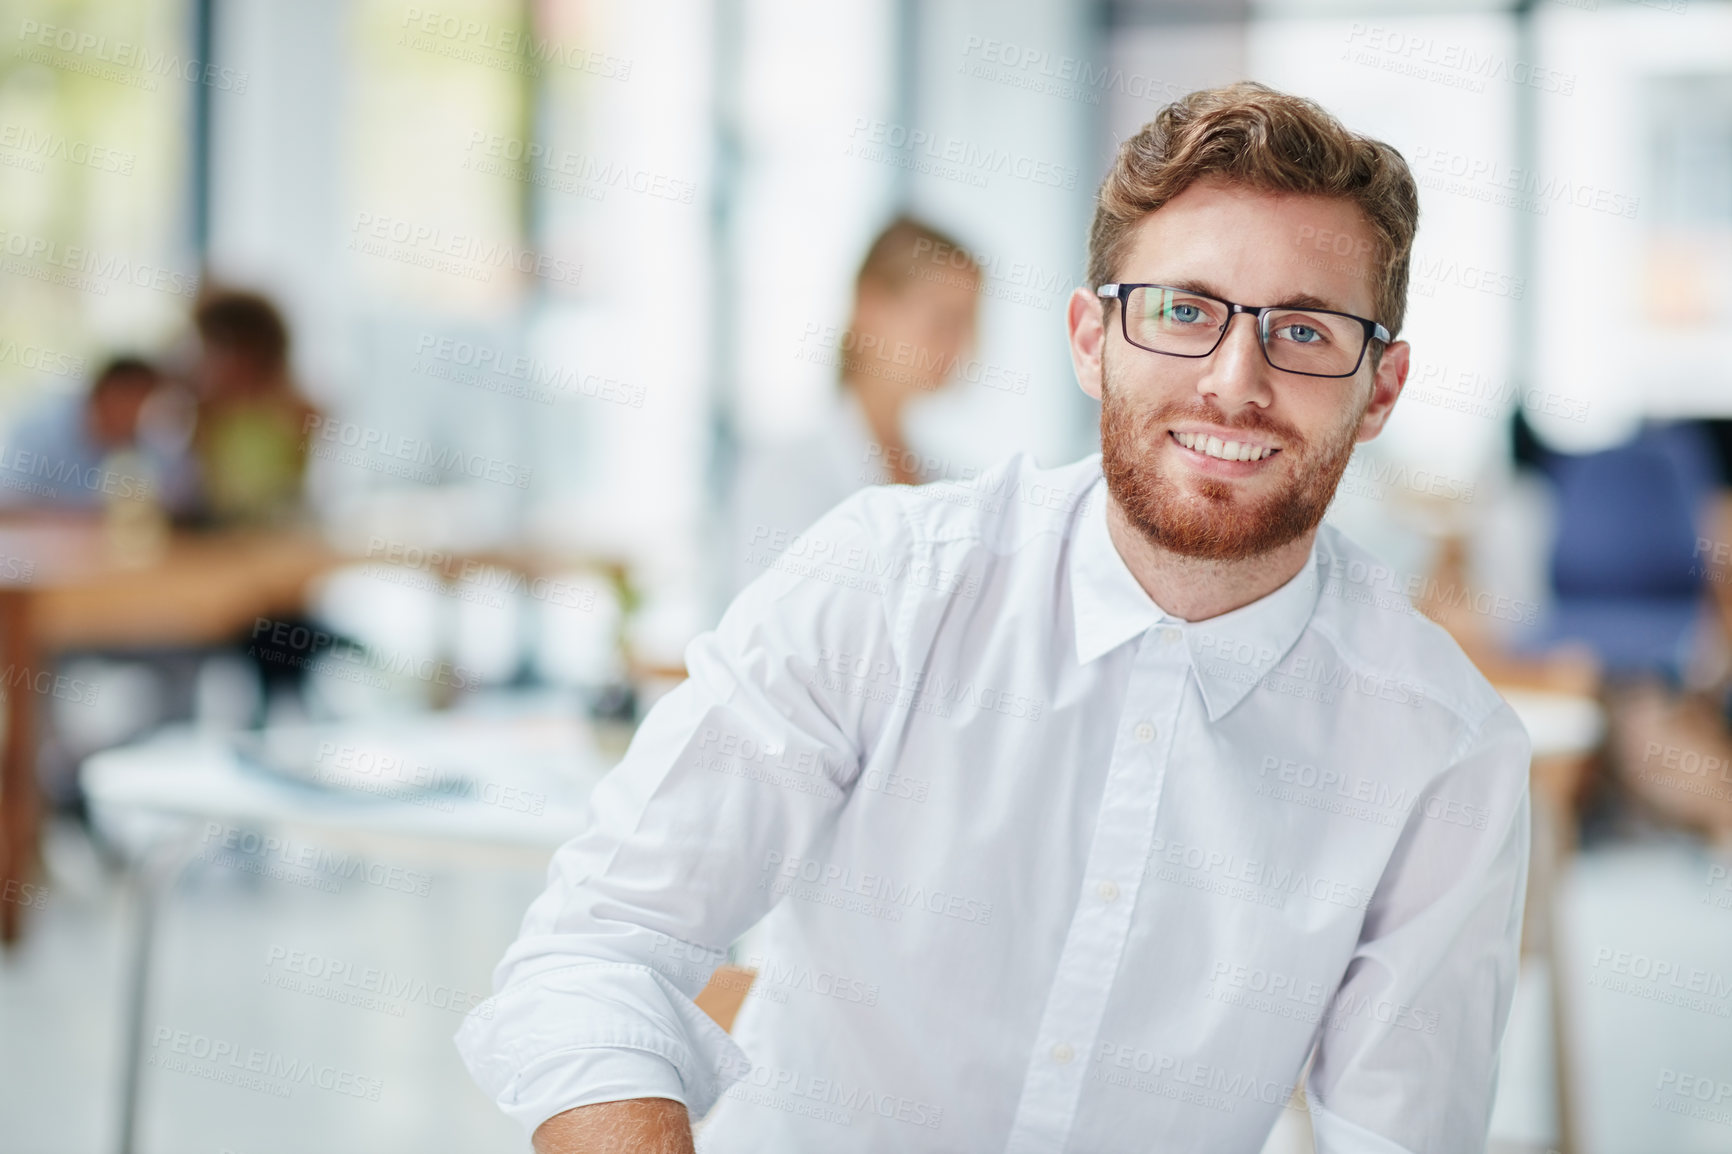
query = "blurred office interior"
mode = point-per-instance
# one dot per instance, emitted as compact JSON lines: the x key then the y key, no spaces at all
{"x":551,"y":275}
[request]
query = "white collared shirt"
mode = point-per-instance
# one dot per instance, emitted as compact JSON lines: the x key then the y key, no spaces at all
{"x":1045,"y":868}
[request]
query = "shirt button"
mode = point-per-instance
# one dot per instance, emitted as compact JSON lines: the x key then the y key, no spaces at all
{"x":1109,"y":891}
{"x":1171,"y":635}
{"x":1144,"y":732}
{"x":1062,"y":1053}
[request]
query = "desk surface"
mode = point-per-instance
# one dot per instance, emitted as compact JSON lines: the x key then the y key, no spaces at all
{"x":486,"y":771}
{"x":200,"y":588}
{"x":509,"y":781}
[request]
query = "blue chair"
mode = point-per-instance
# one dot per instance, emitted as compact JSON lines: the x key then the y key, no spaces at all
{"x":1624,"y":573}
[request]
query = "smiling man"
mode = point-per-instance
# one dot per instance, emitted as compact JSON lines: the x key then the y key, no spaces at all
{"x":1086,"y":809}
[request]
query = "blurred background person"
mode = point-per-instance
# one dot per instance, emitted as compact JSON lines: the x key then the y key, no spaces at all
{"x":913,"y":324}
{"x":251,"y":439}
{"x":117,"y":441}
{"x":115,"y":460}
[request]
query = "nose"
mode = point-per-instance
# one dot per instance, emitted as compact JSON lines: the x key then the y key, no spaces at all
{"x":1237,"y":375}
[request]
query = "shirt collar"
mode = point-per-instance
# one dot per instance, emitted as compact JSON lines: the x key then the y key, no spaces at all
{"x":1229,"y":654}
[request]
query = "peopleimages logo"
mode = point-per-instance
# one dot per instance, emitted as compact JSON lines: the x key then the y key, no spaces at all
{"x":376,"y":448}
{"x":1455,"y":65}
{"x":49,"y":684}
{"x":460,"y":254}
{"x":1490,"y":179}
{"x":775,"y":979}
{"x":252,"y":852}
{"x":1373,"y":477}
{"x":35,"y":147}
{"x":87,"y":269}
{"x":458,"y":38}
{"x":120,"y":60}
{"x":1065,"y":77}
{"x":51,"y":476}
{"x":551,"y":380}
{"x":253,"y":1068}
{"x":869,"y":355}
{"x":367,"y":987}
{"x":520,"y":159}
{"x":41,"y":360}
{"x":786,"y":873}
{"x":830,"y":1099}
{"x":952,"y":157}
{"x":1262,"y":882}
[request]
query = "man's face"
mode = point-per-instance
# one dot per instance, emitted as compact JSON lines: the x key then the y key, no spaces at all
{"x":1258,"y":249}
{"x":113,"y":409}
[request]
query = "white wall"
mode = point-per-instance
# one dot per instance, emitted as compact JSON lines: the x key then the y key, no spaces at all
{"x":822,"y":172}
{"x":804,"y":210}
{"x":1620,"y":363}
{"x":1450,"y":418}
{"x":994,"y":89}
{"x":278,"y":177}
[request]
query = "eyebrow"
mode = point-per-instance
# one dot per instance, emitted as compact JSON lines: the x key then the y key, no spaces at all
{"x":1294,"y":301}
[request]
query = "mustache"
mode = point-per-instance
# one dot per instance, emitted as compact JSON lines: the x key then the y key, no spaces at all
{"x":1250,"y":421}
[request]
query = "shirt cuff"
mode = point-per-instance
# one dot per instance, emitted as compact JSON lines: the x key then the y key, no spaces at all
{"x":596,"y":1032}
{"x":574,"y":1078}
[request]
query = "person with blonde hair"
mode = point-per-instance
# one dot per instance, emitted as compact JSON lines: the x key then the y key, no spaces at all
{"x":909,"y":332}
{"x":1088,"y":808}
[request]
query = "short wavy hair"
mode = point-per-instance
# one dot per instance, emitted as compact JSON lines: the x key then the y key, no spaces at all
{"x":1252,"y":135}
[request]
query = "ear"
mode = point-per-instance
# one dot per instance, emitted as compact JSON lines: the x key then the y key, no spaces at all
{"x":1385,"y":388}
{"x":1086,"y":319}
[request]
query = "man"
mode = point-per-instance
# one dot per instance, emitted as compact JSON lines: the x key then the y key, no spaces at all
{"x":1111,"y":793}
{"x":915,"y":300}
{"x":82,"y":452}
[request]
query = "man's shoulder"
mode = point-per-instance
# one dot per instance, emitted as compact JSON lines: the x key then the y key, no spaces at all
{"x":1365,"y":608}
{"x":935,"y":541}
{"x":1001,"y":506}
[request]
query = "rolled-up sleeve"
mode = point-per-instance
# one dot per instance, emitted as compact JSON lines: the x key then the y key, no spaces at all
{"x":1407,"y":1059}
{"x":750,"y":758}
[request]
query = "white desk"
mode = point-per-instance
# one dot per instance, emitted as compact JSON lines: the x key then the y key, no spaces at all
{"x":528,"y":781}
{"x":518,"y":784}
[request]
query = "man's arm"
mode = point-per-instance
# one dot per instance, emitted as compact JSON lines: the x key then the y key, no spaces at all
{"x":637,"y":1126}
{"x":1407,"y":1054}
{"x":740,"y":768}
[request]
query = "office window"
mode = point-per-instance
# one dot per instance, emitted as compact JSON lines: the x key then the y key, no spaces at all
{"x":433,"y":144}
{"x":94,"y":106}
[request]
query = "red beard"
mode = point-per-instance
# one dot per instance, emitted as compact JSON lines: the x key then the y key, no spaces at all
{"x":1213,"y":521}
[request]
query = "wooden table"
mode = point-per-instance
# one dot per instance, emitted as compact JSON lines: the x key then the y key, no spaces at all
{"x":64,"y":585}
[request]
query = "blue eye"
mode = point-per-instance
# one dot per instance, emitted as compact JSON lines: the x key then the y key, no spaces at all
{"x":1184,"y":314}
{"x":1302,"y":334}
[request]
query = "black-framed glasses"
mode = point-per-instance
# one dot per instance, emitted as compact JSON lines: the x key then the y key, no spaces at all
{"x":1177,"y":322}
